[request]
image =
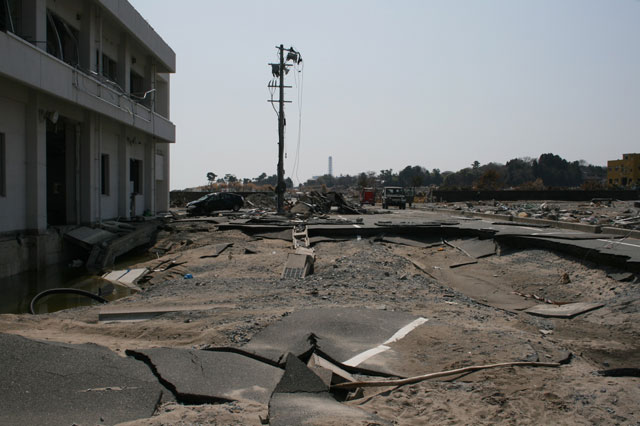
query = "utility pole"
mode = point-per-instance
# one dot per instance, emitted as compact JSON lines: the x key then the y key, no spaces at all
{"x":279,"y":70}
{"x":280,"y":189}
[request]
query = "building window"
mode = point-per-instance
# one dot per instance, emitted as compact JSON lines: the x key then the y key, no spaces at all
{"x":104,"y":175}
{"x":3,"y":167}
{"x":62,"y":39}
{"x":135,"y":176}
{"x":10,"y":16}
{"x":137,"y":89}
{"x":109,"y":66}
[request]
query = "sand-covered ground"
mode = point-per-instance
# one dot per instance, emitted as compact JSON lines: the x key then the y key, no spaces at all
{"x":471,"y":322}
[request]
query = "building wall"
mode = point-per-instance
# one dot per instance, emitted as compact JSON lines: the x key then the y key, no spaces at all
{"x":71,"y":113}
{"x":624,"y":172}
{"x":12,"y":125}
{"x":110,"y":142}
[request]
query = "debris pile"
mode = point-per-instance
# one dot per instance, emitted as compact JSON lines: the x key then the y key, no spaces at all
{"x":261,"y":201}
{"x":600,"y":211}
{"x":315,"y":202}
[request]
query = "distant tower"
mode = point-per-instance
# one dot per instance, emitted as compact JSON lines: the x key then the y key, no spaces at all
{"x":330,"y":166}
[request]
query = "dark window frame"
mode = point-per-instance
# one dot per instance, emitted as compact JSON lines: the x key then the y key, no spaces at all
{"x":136,"y":175}
{"x":105,"y":175}
{"x":62,"y":39}
{"x":3,"y":166}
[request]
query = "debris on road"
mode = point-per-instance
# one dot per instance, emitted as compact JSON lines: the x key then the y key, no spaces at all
{"x":568,"y":310}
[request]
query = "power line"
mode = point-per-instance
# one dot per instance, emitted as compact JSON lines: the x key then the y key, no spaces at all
{"x":278,"y":70}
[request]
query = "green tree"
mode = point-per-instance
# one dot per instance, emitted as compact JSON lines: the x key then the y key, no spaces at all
{"x":211,"y":177}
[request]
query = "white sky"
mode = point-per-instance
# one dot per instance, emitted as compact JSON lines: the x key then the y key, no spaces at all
{"x":394,"y":83}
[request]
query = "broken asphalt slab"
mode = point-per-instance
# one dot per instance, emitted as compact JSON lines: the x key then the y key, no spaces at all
{"x":605,"y":248}
{"x":302,"y":397}
{"x":351,"y":337}
{"x":61,"y":384}
{"x":474,"y":247}
{"x":419,"y":243}
{"x":205,"y":377}
{"x":217,"y":249}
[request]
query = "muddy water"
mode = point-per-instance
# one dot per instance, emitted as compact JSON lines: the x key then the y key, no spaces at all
{"x":17,"y":291}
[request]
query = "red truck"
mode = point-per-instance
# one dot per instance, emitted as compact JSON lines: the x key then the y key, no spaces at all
{"x":368,"y":196}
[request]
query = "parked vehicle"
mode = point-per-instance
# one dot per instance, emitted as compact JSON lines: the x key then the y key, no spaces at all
{"x":410,"y":193}
{"x":214,"y":202}
{"x":368,"y":196}
{"x":393,"y":196}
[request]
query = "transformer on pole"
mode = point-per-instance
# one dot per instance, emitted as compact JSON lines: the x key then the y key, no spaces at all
{"x":279,"y":70}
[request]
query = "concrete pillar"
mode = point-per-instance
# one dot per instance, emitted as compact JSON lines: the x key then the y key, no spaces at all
{"x":123,"y":174}
{"x":88,"y":60}
{"x":36,"y":164}
{"x":150,"y":81}
{"x":88,"y":184}
{"x":149,"y":174}
{"x":124,"y":63}
{"x":34,"y":22}
{"x":70,"y":171}
{"x":162,"y":186}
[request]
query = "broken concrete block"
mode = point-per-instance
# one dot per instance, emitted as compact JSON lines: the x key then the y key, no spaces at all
{"x":569,"y":310}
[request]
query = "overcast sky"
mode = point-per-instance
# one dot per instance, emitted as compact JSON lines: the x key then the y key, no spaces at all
{"x":388,"y":84}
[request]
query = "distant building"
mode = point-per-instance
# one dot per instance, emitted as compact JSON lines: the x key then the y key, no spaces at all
{"x":84,"y":116}
{"x":624,"y":173}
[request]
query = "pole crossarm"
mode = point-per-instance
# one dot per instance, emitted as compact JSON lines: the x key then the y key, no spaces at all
{"x":279,"y":70}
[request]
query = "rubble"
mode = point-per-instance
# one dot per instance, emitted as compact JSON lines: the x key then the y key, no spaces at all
{"x":348,"y":320}
{"x":600,"y":211}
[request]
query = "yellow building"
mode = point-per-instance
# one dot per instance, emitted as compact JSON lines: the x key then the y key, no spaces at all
{"x":624,"y":173}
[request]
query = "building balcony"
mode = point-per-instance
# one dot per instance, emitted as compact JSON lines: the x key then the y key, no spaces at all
{"x":39,"y":70}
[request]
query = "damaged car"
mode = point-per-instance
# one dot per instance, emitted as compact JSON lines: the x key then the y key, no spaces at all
{"x":213,"y":202}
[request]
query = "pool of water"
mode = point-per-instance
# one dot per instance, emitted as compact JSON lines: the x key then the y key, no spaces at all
{"x":17,"y":291}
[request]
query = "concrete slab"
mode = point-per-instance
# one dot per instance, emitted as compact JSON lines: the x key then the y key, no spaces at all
{"x":344,"y":335}
{"x":140,"y":313}
{"x":297,"y":266}
{"x":59,"y":384}
{"x":276,"y":235}
{"x":132,"y":275}
{"x":569,"y":310}
{"x":317,"y":362}
{"x":204,"y":377}
{"x":87,"y":237}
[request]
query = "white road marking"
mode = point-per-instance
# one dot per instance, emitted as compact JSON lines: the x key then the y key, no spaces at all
{"x":363,"y":356}
{"x":405,"y":330}
{"x":619,"y":242}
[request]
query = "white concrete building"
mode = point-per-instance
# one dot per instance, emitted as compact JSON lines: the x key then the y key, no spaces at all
{"x":84,"y":118}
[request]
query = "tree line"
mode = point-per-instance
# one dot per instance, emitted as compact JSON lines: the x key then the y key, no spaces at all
{"x":547,"y":171}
